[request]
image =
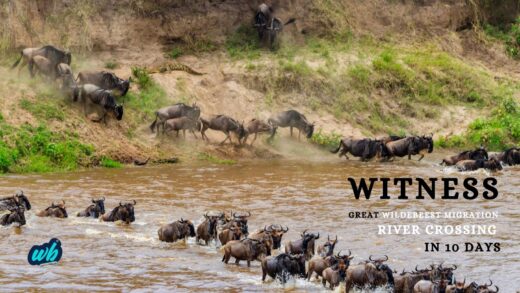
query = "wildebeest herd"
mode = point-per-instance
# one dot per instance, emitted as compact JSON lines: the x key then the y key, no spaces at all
{"x":301,"y":258}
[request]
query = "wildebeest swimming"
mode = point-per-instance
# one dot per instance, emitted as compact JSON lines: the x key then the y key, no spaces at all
{"x":267,"y":25}
{"x":177,"y":230}
{"x":95,"y":210}
{"x":123,"y":212}
{"x":510,"y":156}
{"x":477,"y":154}
{"x":409,"y":146}
{"x":174,"y":111}
{"x":54,"y":211}
{"x":225,"y":124}
{"x":16,"y":215}
{"x":472,"y":165}
{"x":15,"y":201}
{"x":54,"y":55}
{"x":364,"y":148}
{"x":93,"y":95}
{"x":282,"y":266}
{"x":105,"y":80}
{"x":292,"y":119}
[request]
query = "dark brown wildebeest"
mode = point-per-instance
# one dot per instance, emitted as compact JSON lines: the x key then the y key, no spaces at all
{"x":225,"y":124}
{"x":256,"y":126}
{"x":327,"y":248}
{"x":335,"y":274}
{"x":16,"y":215}
{"x":509,"y":157}
{"x":105,"y":80}
{"x":472,"y":165}
{"x":265,"y":238}
{"x":96,"y":209}
{"x":477,"y":154}
{"x":55,"y":211}
{"x":405,"y":281}
{"x":274,"y":231}
{"x":319,"y":263}
{"x":232,"y":233}
{"x":427,"y":286}
{"x":177,"y":230}
{"x":93,"y":95}
{"x":174,"y":111}
{"x":54,"y":55}
{"x":364,"y":148}
{"x":282,"y":266}
{"x":123,"y":212}
{"x":409,"y":146}
{"x":267,"y":25}
{"x":292,"y":119}
{"x":304,"y":245}
{"x":390,"y":138}
{"x":483,"y":288}
{"x":246,"y":249}
{"x":13,"y":202}
{"x":182,"y":123}
{"x":241,"y":220}
{"x":207,"y":230}
{"x":372,"y":273}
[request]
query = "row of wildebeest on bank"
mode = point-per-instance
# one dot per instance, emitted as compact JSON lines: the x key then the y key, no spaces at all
{"x":303,"y":257}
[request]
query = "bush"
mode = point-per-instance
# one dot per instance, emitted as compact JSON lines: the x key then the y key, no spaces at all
{"x":216,"y":160}
{"x":150,"y":96}
{"x":109,"y":163}
{"x":326,"y":140}
{"x":243,"y":43}
{"x":175,"y":53}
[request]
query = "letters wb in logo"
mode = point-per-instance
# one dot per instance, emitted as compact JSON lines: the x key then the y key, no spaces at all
{"x":45,"y":253}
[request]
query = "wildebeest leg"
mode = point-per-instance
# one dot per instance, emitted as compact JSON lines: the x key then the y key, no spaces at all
{"x":324,"y":282}
{"x":248,"y":263}
{"x":254,"y":138}
{"x":193,"y":132}
{"x":237,"y":261}
{"x":291,"y":130}
{"x":176,"y":133}
{"x":184,"y":133}
{"x":299,"y":133}
{"x":227,"y":137}
{"x":422,"y":156}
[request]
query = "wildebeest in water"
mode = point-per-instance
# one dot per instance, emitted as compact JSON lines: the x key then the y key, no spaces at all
{"x":54,"y":211}
{"x":15,"y":215}
{"x":304,"y":245}
{"x":175,"y":231}
{"x":292,"y":119}
{"x":472,"y":165}
{"x":13,"y":202}
{"x":95,"y":210}
{"x":282,"y":266}
{"x":207,"y":230}
{"x":477,"y":154}
{"x":123,"y":212}
{"x":245,"y":249}
{"x":364,"y":148}
{"x":409,"y":146}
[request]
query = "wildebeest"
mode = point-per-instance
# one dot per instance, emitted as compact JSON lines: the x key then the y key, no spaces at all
{"x":292,"y":119}
{"x":335,"y":273}
{"x":241,"y":219}
{"x":232,"y":233}
{"x":283,"y":266}
{"x":182,"y":123}
{"x":319,"y":263}
{"x":364,"y":148}
{"x":372,"y":273}
{"x":94,"y":95}
{"x":225,"y":124}
{"x":509,"y":157}
{"x":426,"y":286}
{"x":16,"y":215}
{"x":174,"y":111}
{"x":458,"y":287}
{"x":274,"y":231}
{"x":256,"y":126}
{"x":304,"y":245}
{"x":207,"y":230}
{"x":42,"y":66}
{"x":477,"y":154}
{"x":105,"y":80}
{"x":327,"y":248}
{"x":13,"y":202}
{"x":68,"y":83}
{"x":245,"y":249}
{"x":472,"y":165}
{"x":267,"y":25}
{"x":123,"y":212}
{"x":177,"y":230}
{"x":409,"y":146}
{"x":483,"y":288}
{"x":405,"y":281}
{"x":55,"y":211}
{"x":96,"y":209}
{"x":54,"y":55}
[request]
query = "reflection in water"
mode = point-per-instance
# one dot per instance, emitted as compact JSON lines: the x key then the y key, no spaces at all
{"x":301,"y":195}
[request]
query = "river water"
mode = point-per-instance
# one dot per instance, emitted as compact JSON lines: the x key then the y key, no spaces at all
{"x":312,"y":195}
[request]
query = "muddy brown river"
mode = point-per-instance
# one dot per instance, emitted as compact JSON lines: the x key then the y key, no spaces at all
{"x":312,"y":195}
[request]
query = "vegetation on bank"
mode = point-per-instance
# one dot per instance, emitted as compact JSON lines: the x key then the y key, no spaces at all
{"x":203,"y":156}
{"x":509,"y":34}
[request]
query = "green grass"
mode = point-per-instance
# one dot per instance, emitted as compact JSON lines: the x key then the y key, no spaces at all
{"x":43,"y":110}
{"x":149,"y":98}
{"x":326,"y":140}
{"x":213,"y":159}
{"x":175,"y":53}
{"x":497,"y":132}
{"x":29,"y":149}
{"x":243,"y":43}
{"x":111,"y":64}
{"x":508,"y":34}
{"x":109,"y":163}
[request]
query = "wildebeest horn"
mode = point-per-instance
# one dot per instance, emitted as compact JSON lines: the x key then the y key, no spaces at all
{"x":454,"y":267}
{"x":135,"y":202}
{"x":490,"y":283}
{"x":304,"y":232}
{"x":248,"y":214}
{"x":386,"y":257}
{"x":234,"y":215}
{"x":497,"y":288}
{"x":336,"y":240}
{"x":318,"y":237}
{"x":349,"y":252}
{"x":120,"y":204}
{"x":328,"y":237}
{"x":416,"y":268}
{"x":286,"y":229}
{"x":370,"y":258}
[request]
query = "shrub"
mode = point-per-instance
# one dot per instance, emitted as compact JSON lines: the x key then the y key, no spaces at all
{"x":109,"y":163}
{"x":243,"y":43}
{"x":326,"y":140}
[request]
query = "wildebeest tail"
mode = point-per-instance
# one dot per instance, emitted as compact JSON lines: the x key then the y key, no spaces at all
{"x":292,"y":20}
{"x":17,"y":61}
{"x":339,"y":147}
{"x":152,"y":126}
